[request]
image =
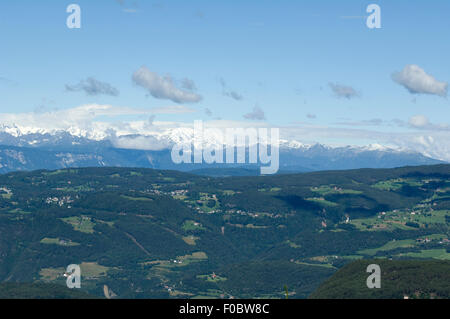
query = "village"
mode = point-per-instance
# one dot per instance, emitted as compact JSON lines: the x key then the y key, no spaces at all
{"x":60,"y":201}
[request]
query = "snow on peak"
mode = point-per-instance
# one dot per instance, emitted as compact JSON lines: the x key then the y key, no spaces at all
{"x":141,"y":135}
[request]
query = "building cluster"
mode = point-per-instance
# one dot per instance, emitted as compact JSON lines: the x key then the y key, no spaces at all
{"x":178,"y":192}
{"x":60,"y":201}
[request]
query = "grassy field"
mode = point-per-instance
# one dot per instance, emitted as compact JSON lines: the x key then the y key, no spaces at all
{"x":191,"y":225}
{"x":212,"y":278}
{"x":407,"y":243}
{"x":271,"y":190}
{"x":396,"y":184}
{"x":292,"y":244}
{"x":19,"y":211}
{"x":191,"y":240}
{"x":80,"y":223}
{"x":61,"y":171}
{"x":140,"y":199}
{"x":163,"y":268}
{"x":135,"y":174}
{"x":59,"y":242}
{"x":91,"y":270}
{"x":315,"y":265}
{"x":76,"y":189}
{"x":331,"y":189}
{"x":229,"y":192}
{"x":430,"y":253}
{"x":51,"y":274}
{"x":422,"y":216}
{"x":322,"y":201}
{"x":207,"y":203}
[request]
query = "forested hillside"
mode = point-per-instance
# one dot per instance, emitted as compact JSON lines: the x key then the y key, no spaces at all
{"x":400,"y":279}
{"x":142,"y":233}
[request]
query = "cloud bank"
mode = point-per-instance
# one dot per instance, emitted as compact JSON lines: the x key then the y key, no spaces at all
{"x":164,"y":87}
{"x":417,"y":81}
{"x":139,"y":130}
{"x":343,"y":91}
{"x":257,"y":114}
{"x":230,"y":93}
{"x":93,"y":87}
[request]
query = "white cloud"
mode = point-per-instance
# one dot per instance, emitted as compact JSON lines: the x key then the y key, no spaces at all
{"x":164,"y":87}
{"x":208,"y":112}
{"x":139,"y":142}
{"x":7,"y":81}
{"x":188,"y":84}
{"x":128,"y":8}
{"x":93,"y":87}
{"x":419,"y":121}
{"x":234,"y":95}
{"x":82,"y":120}
{"x":432,"y":143}
{"x":417,"y":81}
{"x":230,"y":93}
{"x":371,"y":122}
{"x":343,"y":91}
{"x":257,"y":114}
{"x":174,"y":109}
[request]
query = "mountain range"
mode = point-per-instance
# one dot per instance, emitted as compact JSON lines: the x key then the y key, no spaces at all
{"x":27,"y":149}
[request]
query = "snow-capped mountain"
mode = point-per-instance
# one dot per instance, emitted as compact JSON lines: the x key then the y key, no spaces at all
{"x":28,"y":149}
{"x":154,"y":139}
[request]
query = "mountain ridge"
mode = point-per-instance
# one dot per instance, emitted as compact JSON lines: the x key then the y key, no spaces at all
{"x":46,"y":150}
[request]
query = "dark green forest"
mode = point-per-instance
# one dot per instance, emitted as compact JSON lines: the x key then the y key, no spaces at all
{"x":142,"y":233}
{"x":400,"y":279}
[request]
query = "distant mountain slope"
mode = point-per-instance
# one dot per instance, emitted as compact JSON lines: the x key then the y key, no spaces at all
{"x":238,"y":171}
{"x":28,"y":148}
{"x":40,"y":291}
{"x":320,"y":157}
{"x":100,"y":154}
{"x":399,"y":279}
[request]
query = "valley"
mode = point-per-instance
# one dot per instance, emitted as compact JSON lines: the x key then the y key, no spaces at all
{"x":146,"y":233}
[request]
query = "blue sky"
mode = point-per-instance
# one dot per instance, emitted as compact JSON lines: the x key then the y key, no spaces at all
{"x":280,"y":56}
